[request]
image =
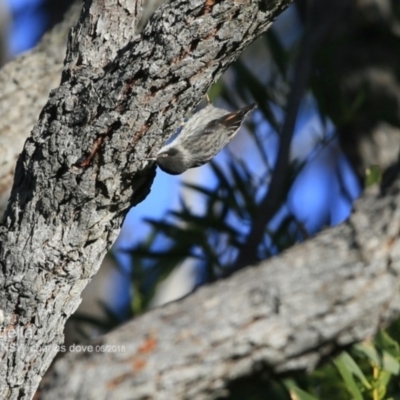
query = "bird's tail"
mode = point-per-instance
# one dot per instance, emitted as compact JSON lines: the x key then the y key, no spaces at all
{"x":233,"y":120}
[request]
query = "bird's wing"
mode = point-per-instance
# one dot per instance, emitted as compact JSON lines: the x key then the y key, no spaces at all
{"x":230,"y":122}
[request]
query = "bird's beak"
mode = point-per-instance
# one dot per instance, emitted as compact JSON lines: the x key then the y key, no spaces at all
{"x":150,"y":159}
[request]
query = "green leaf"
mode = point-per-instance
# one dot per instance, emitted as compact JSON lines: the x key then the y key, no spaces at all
{"x":386,"y":342}
{"x":354,"y":368}
{"x":296,"y":393}
{"x":390,"y":364}
{"x":373,"y":175}
{"x":369,"y":350}
{"x":381,"y":384}
{"x":347,"y":369}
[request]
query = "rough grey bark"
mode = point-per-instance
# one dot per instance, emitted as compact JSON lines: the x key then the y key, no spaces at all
{"x":81,"y":169}
{"x":25,"y":84}
{"x":284,"y":315}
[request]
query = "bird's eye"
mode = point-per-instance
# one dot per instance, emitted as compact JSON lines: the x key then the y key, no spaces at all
{"x":165,"y":155}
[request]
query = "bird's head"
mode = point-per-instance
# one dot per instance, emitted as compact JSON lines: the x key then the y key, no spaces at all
{"x":172,"y":161}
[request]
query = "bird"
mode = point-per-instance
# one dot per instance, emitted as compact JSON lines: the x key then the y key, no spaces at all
{"x":205,"y":134}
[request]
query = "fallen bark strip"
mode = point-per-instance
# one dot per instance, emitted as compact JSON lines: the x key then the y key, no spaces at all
{"x":284,"y":315}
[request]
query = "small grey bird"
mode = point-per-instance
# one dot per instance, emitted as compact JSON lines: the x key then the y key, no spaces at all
{"x":201,"y":138}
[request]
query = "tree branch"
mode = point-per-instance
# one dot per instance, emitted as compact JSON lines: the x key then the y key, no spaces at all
{"x":284,"y":315}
